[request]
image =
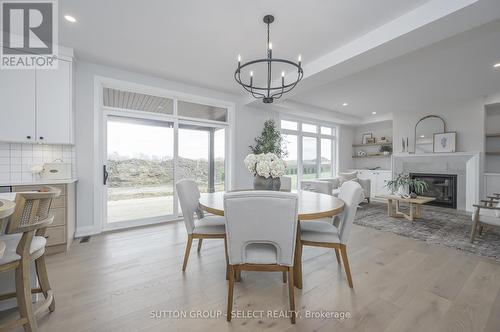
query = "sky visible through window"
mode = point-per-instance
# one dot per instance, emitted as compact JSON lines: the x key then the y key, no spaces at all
{"x":136,"y":140}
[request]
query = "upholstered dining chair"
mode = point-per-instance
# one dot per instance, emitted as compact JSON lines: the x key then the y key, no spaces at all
{"x":204,"y":227}
{"x":327,"y":235}
{"x":261,"y":233}
{"x":25,"y":242}
{"x":485,"y":214}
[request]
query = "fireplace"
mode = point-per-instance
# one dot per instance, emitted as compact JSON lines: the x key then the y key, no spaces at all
{"x":443,"y":187}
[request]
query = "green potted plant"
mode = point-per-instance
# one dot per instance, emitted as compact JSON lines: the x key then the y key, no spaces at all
{"x":404,"y":185}
{"x":266,"y":160}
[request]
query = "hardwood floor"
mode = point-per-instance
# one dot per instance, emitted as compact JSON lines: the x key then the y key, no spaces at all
{"x":115,"y":281}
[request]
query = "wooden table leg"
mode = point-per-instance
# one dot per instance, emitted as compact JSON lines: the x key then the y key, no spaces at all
{"x":412,"y":212}
{"x":391,"y":208}
{"x":297,"y":265}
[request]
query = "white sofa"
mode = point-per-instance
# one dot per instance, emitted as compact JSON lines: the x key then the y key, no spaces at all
{"x":331,"y":186}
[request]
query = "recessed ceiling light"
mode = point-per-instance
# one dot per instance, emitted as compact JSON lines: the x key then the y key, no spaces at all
{"x":70,"y":18}
{"x":345,"y":104}
{"x":374,"y":113}
{"x":496,"y":65}
{"x":422,"y":136}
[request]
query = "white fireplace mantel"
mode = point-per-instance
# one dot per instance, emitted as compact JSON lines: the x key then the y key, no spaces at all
{"x":470,"y":160}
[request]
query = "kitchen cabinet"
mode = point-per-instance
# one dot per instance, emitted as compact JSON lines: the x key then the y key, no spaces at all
{"x":17,"y":106}
{"x":53,"y":105}
{"x":36,"y":105}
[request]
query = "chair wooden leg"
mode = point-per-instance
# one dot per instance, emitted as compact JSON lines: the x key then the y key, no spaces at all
{"x":337,"y":253}
{"x":188,"y":249}
{"x":199,"y":244}
{"x":481,"y":230}
{"x":284,"y":277}
{"x":43,"y":279}
{"x":291,"y":293}
{"x":343,"y":251}
{"x":23,"y":291}
{"x":230,"y":289}
{"x":297,"y":265}
{"x":227,"y":259}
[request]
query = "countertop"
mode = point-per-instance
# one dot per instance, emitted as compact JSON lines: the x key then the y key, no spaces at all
{"x":38,"y":182}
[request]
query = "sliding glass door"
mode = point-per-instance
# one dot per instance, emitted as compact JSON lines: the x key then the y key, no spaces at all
{"x":202,"y":156}
{"x":150,"y":142}
{"x":139,"y":170}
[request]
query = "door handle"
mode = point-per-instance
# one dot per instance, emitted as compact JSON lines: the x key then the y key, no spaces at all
{"x":105,"y":175}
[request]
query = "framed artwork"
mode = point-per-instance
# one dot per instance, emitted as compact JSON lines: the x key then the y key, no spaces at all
{"x":364,"y":138}
{"x":445,"y":142}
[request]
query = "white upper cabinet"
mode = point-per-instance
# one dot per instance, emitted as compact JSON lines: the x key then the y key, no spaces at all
{"x":36,"y":105}
{"x":53,"y":105}
{"x":17,"y":105}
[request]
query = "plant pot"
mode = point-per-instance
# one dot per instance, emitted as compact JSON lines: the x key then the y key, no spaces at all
{"x":261,"y":183}
{"x":404,"y":190}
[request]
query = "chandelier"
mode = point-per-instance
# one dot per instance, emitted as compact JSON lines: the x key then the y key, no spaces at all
{"x":269,"y":92}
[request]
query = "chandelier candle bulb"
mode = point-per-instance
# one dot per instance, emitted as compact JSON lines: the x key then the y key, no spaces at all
{"x":270,"y":46}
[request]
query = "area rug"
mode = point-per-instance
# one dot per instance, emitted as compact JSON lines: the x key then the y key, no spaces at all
{"x":439,"y":226}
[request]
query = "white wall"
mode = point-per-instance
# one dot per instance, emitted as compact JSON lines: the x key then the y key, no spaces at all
{"x":248,"y":124}
{"x":464,"y":117}
{"x":344,"y":155}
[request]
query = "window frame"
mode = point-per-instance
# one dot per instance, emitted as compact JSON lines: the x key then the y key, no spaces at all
{"x":300,"y":134}
{"x":101,"y":112}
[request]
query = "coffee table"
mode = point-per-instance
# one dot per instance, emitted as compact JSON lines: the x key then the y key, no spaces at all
{"x":393,"y":202}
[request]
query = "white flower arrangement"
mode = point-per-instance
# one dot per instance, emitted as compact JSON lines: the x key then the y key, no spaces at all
{"x":265,"y":164}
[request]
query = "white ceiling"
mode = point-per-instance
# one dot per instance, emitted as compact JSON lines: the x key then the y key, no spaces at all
{"x":460,"y":67}
{"x":385,"y":56}
{"x":197,"y":41}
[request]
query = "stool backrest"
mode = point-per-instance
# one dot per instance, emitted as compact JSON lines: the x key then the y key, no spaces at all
{"x":32,"y":210}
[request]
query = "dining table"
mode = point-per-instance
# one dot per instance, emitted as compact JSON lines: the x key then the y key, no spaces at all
{"x":312,"y":206}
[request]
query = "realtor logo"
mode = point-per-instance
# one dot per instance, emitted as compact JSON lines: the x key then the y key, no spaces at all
{"x":29,"y":34}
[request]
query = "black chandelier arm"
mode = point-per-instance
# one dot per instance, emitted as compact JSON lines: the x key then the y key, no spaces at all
{"x":248,"y":88}
{"x":270,"y":60}
{"x":255,"y":94}
{"x":237,"y":77}
{"x":285,"y":89}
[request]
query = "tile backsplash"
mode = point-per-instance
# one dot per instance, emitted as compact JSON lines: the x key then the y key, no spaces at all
{"x":16,"y":160}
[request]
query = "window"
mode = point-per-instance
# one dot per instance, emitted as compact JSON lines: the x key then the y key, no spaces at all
{"x":200,"y":111}
{"x":309,"y":128}
{"x":151,"y":142}
{"x":290,"y":143}
{"x":326,"y":130}
{"x":288,"y":125}
{"x":311,"y":150}
{"x":309,"y":157}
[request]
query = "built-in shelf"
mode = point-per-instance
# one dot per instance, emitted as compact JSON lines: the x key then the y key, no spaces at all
{"x":493,"y":153}
{"x":371,"y":144}
{"x":373,"y":156}
{"x":493,"y":135}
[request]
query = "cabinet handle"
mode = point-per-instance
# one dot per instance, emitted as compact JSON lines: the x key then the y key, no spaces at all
{"x":41,"y":137}
{"x":28,"y":137}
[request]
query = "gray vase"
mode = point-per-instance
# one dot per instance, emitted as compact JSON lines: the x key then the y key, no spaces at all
{"x":261,"y":183}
